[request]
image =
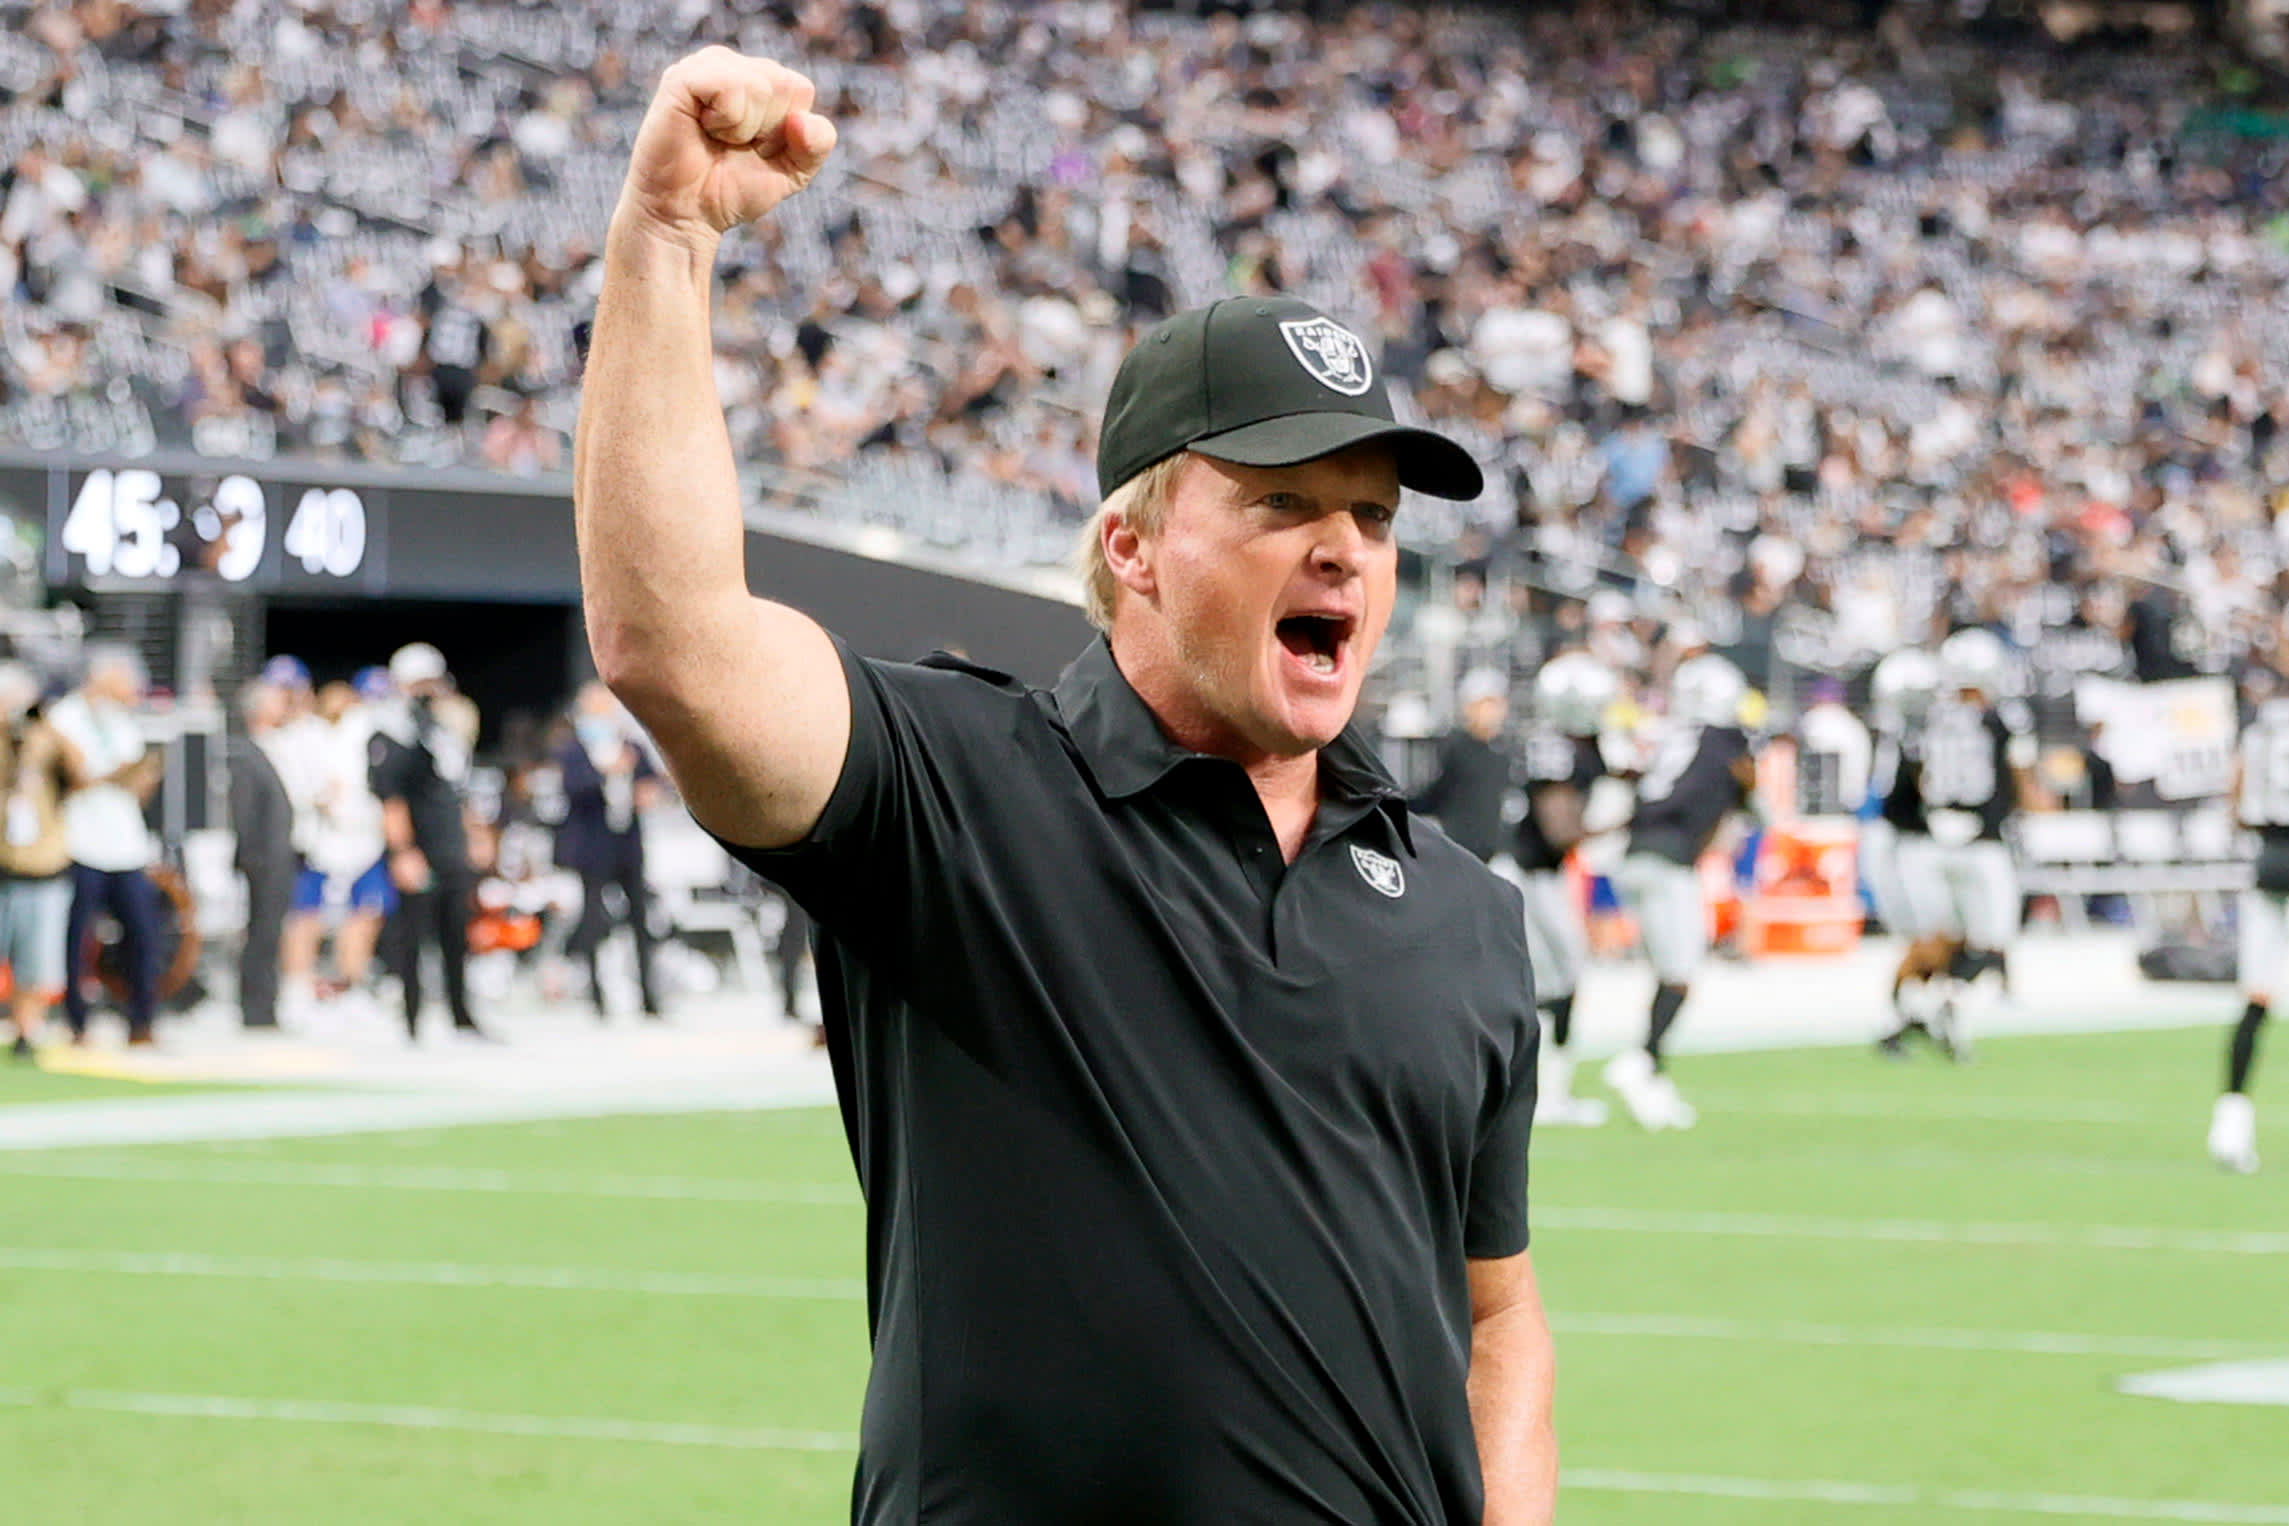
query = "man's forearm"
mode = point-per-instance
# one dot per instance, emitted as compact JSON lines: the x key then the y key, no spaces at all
{"x":655,"y":488}
{"x":1512,"y":1383}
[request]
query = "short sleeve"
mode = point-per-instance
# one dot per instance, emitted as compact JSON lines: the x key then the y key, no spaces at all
{"x":927,"y":779}
{"x":1494,"y":1218}
{"x":385,"y":769}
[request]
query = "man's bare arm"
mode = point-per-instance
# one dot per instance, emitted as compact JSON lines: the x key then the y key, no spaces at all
{"x":746,"y":698}
{"x":1512,"y":1384}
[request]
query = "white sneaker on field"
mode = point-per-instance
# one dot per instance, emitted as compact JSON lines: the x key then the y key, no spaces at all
{"x":1555,"y":1105}
{"x":1674,"y":1110}
{"x":2233,"y":1133}
{"x":1631,"y":1076}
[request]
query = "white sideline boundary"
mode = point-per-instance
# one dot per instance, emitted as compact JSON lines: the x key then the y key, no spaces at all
{"x":215,"y":1117}
{"x":234,"y":1173}
{"x":1790,"y":1332}
{"x":1945,"y":1109}
{"x":579,"y":1279}
{"x":435,"y":1274}
{"x":741,"y":1438}
{"x":419,"y":1417}
{"x":1772,"y":1226}
{"x":1781,"y":1226}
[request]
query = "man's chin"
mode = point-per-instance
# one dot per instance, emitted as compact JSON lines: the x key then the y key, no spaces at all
{"x":1293,"y":729}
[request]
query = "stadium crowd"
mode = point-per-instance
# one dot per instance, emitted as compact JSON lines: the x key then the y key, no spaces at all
{"x":1831,"y":338}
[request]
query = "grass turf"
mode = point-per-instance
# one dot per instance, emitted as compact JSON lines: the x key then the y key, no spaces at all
{"x":1779,"y":1298}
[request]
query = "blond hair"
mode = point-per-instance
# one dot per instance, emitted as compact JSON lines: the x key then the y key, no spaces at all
{"x":1139,"y":502}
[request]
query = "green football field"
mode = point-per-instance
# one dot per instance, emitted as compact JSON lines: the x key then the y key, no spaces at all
{"x":1858,"y":1292}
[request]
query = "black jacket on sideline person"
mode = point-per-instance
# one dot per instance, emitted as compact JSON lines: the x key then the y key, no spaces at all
{"x":415,"y":759}
{"x":262,"y":821}
{"x":595,"y":837}
{"x":1466,"y":794}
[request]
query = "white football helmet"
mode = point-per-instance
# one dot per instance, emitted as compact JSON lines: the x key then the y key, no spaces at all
{"x":1974,"y":659}
{"x":1903,"y":687}
{"x":1573,"y":692}
{"x":1707,"y":691}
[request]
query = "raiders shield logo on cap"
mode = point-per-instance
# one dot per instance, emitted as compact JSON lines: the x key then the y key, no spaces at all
{"x":1380,"y":870}
{"x":1335,"y":357}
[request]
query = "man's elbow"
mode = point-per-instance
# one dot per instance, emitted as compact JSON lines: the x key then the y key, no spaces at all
{"x":632,"y":663}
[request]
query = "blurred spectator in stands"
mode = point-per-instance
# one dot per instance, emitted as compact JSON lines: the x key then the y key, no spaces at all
{"x":520,"y":444}
{"x":2101,"y":792}
{"x":1636,"y":458}
{"x":262,"y":821}
{"x":113,"y":774}
{"x":35,"y":860}
{"x":609,"y":784}
{"x":455,"y":339}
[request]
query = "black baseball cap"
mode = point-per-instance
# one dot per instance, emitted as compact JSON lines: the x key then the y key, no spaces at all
{"x":1263,"y":381}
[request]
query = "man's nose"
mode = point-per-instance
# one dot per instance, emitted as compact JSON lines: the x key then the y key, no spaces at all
{"x":1336,"y":552}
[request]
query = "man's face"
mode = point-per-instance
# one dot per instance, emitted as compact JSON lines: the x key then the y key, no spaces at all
{"x":1484,"y":717}
{"x":269,"y":708}
{"x":1271,"y":587}
{"x":116,"y":682}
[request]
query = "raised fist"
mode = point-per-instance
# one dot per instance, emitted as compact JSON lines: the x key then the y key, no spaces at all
{"x":726,"y":139}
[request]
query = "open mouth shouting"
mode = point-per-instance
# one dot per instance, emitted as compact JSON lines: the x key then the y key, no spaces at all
{"x":1318,"y":642}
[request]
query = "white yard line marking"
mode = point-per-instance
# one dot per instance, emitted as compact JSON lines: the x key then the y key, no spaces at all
{"x":418,"y":1417}
{"x":441,"y":1274}
{"x":1879,"y":1105}
{"x":1832,"y":1492}
{"x":208,"y":1118}
{"x":706,"y":1285}
{"x":1780,"y":1226}
{"x":699,"y":1189}
{"x":1804,"y":1333}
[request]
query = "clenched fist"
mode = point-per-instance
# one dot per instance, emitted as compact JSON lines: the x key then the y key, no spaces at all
{"x":726,"y":139}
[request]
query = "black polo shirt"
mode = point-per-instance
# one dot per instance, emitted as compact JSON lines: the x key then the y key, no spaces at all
{"x":1173,"y":1154}
{"x":413,"y":758}
{"x":1465,"y":796}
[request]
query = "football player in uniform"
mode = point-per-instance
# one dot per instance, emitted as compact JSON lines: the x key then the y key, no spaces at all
{"x":1978,"y":756}
{"x":1563,"y":765}
{"x":1896,"y":851}
{"x":2261,"y":801}
{"x":1700,"y":772}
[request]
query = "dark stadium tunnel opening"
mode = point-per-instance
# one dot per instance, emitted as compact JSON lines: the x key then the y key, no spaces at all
{"x":514,"y":660}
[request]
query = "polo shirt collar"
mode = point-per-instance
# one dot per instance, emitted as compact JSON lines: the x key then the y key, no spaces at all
{"x":1126,"y":752}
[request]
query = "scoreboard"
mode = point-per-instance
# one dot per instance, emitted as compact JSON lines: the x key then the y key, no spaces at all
{"x":134,"y":527}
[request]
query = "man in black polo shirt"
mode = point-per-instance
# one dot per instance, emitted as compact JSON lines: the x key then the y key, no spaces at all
{"x":1465,"y":795}
{"x":418,"y":768}
{"x":1189,"y":1079}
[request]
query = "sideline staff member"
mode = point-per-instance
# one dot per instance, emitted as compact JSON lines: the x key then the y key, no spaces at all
{"x":418,"y":768}
{"x":1188,"y":1078}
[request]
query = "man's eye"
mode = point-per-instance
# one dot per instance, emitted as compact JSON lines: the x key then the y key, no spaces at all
{"x":1379,"y":514}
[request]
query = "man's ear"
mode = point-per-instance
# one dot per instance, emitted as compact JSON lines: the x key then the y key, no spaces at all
{"x":1129,"y":556}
